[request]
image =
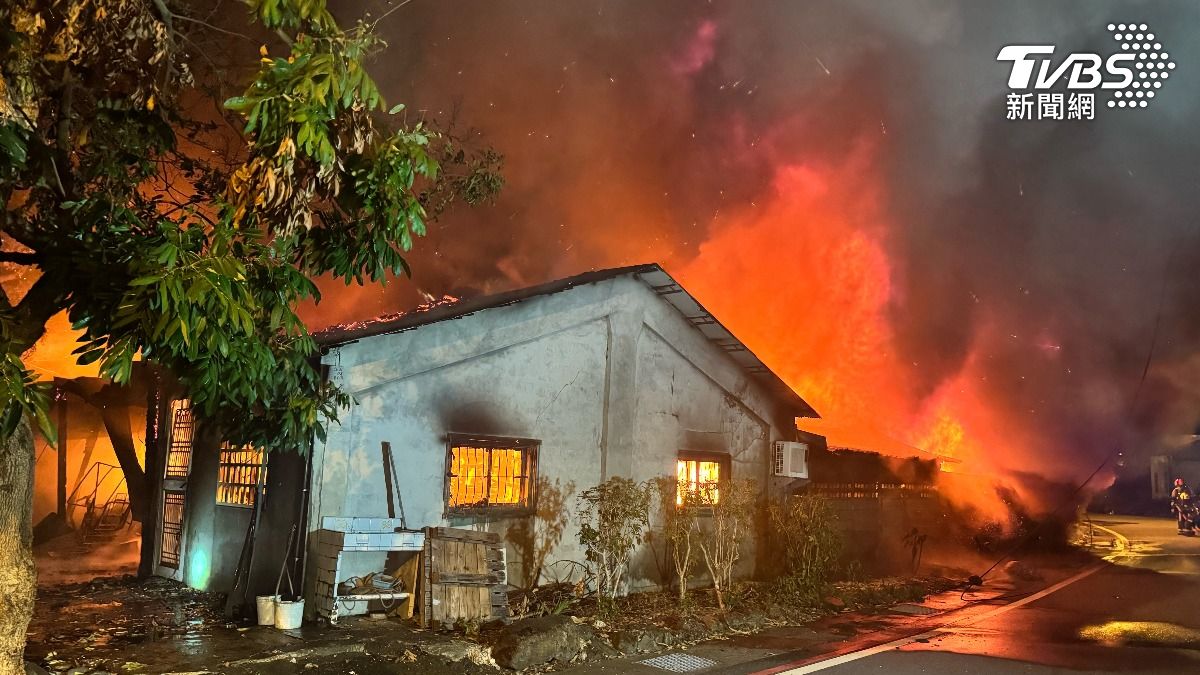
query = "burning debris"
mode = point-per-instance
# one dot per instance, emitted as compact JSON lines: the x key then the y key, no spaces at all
{"x":430,"y":303}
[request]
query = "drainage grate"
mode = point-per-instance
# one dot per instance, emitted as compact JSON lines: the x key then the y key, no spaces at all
{"x":679,"y":663}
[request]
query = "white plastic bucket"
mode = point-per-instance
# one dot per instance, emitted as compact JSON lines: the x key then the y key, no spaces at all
{"x":289,"y":615}
{"x":266,"y":609}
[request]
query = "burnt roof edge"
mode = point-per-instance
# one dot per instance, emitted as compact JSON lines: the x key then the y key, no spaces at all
{"x":758,"y":372}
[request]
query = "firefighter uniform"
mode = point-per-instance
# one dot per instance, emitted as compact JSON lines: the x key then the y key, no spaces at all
{"x":1181,"y":501}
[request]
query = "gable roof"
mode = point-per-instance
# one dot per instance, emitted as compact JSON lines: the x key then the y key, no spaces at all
{"x":651,"y":274}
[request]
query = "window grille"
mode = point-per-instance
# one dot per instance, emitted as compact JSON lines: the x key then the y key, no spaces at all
{"x":490,"y":473}
{"x":698,"y":477}
{"x":172,"y":529}
{"x":240,"y":473}
{"x":179,"y":447}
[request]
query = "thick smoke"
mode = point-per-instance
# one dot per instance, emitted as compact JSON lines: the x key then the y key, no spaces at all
{"x":838,"y":183}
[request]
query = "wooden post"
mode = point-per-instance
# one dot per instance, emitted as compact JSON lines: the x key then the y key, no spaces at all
{"x":151,"y":522}
{"x":389,"y":488}
{"x":61,"y":395}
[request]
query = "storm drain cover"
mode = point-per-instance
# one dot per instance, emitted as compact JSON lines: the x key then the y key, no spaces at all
{"x":679,"y":663}
{"x":915,"y":610}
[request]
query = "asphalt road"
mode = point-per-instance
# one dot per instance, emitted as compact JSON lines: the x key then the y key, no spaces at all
{"x":1137,"y":610}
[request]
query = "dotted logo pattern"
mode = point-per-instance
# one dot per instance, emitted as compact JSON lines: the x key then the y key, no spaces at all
{"x":1152,"y":67}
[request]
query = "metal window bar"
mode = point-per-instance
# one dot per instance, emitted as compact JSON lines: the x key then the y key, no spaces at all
{"x":179,"y":448}
{"x":489,"y":477}
{"x":239,"y":476}
{"x":689,"y":472}
{"x":172,"y":529}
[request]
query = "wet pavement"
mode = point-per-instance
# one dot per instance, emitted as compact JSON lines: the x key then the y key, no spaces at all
{"x":1137,"y":609}
{"x":1131,"y":603}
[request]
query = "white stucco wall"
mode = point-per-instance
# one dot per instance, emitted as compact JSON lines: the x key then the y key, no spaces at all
{"x":608,"y":376}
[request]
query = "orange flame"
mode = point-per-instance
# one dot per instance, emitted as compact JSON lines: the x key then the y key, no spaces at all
{"x":804,"y":279}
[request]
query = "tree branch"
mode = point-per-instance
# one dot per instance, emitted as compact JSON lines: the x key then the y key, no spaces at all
{"x":45,"y":298}
{"x":211,"y":27}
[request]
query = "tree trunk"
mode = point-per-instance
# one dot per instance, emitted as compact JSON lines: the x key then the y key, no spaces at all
{"x":18,"y":577}
{"x":113,"y":402}
{"x":153,"y":476}
{"x":116,"y":423}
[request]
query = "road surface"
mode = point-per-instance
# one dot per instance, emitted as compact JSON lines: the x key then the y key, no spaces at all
{"x":1134,"y":607}
{"x":1136,"y":611}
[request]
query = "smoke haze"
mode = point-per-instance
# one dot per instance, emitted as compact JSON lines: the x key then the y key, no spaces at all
{"x":837,"y":182}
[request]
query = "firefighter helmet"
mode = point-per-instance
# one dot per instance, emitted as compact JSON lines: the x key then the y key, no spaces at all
{"x":1178,"y":482}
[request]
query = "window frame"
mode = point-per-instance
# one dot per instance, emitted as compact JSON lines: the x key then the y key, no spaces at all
{"x":725,"y":467}
{"x":530,"y":449}
{"x":260,"y":484}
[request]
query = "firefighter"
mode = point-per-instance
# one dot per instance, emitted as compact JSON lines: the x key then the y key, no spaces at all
{"x":1181,"y":503}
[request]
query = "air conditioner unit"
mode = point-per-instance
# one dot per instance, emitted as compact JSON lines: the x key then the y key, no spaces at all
{"x":791,"y":459}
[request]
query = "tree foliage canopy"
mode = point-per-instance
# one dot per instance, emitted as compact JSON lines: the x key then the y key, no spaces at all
{"x":162,"y":248}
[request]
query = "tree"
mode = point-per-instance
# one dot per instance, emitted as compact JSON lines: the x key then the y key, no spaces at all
{"x":730,"y":508}
{"x":678,"y":506}
{"x":613,"y":517}
{"x":192,"y":260}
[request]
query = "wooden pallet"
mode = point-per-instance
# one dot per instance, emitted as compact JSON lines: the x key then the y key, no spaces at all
{"x":463,"y":576}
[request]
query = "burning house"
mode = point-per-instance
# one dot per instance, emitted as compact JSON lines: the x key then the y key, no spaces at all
{"x":487,"y":405}
{"x":470,"y":414}
{"x":555,"y":387}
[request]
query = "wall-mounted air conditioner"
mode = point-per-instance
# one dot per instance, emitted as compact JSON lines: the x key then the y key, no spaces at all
{"x":791,"y":459}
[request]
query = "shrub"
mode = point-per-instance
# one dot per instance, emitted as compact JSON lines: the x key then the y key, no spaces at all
{"x":730,"y":505}
{"x":678,"y":508}
{"x":805,"y":529}
{"x":613,"y":517}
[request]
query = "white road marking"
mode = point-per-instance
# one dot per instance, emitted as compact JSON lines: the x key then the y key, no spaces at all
{"x":972,"y":620}
{"x":946,"y":628}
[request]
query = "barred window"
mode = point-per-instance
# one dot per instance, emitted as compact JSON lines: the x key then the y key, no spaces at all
{"x":698,"y":475}
{"x":487,"y":472}
{"x":179,"y":442}
{"x":241,"y":472}
{"x":172,"y":528}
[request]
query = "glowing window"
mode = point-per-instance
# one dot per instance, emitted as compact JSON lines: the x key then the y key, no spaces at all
{"x":698,"y":477}
{"x":241,"y":475}
{"x":179,"y":444}
{"x":489,"y":473}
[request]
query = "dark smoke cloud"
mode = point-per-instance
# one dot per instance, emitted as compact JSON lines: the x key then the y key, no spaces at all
{"x":631,"y":128}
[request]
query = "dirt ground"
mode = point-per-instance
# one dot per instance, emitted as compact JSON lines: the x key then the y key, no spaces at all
{"x":122,"y":624}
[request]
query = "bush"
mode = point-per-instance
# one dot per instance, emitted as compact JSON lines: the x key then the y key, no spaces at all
{"x":805,"y":529}
{"x":731,"y":507}
{"x":613,"y":517}
{"x":677,"y":519}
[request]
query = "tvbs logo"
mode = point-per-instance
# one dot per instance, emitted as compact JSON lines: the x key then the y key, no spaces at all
{"x":1131,"y":77}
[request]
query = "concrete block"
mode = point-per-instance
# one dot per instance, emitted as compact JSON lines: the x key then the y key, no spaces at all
{"x":359,"y":523}
{"x":336,"y":523}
